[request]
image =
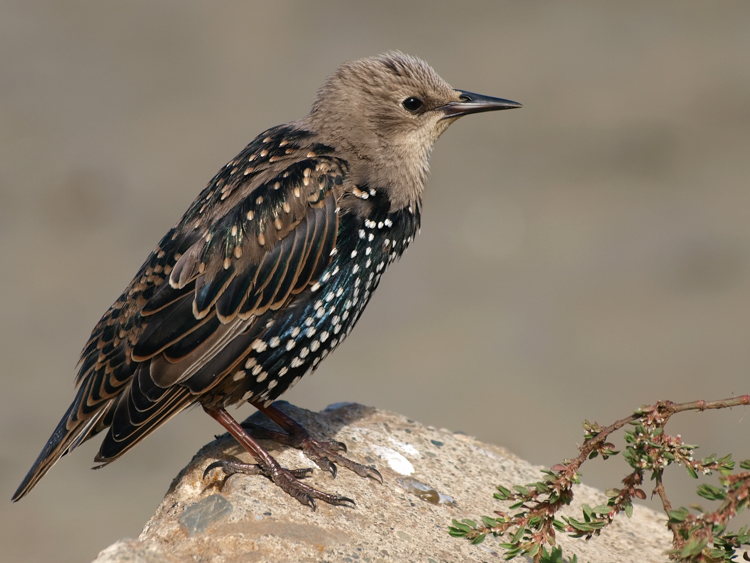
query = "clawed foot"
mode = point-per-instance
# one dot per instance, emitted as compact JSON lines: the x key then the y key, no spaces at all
{"x":230,"y":468}
{"x":286,"y":479}
{"x":323,"y":452}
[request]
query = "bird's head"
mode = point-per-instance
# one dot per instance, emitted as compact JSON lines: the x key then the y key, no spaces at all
{"x":385,"y":114}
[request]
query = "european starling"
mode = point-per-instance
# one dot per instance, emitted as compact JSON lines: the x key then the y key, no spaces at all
{"x":268,"y":271}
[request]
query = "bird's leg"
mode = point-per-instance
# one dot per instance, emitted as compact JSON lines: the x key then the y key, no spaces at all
{"x":287,"y":479}
{"x":323,"y":452}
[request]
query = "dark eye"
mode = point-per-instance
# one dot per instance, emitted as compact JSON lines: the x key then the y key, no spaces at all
{"x":412,"y":104}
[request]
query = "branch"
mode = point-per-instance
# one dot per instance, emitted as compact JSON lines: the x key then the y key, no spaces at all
{"x":696,"y":538}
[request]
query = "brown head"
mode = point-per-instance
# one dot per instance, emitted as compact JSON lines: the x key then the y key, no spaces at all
{"x":384,"y":115}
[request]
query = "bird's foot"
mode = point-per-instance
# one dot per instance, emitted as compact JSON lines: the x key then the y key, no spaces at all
{"x":287,"y":479}
{"x":229,"y":468}
{"x":325,"y":453}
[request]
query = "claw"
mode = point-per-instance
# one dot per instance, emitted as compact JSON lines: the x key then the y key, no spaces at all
{"x":301,"y":473}
{"x":211,"y":467}
{"x":326,"y":465}
{"x":374,"y":474}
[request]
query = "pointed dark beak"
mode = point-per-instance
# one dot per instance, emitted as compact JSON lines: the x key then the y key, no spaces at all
{"x":475,"y":103}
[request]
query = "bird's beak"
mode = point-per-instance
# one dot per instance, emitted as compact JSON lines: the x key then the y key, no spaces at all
{"x":475,"y":103}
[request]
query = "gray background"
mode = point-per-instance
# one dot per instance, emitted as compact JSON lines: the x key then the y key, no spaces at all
{"x":578,"y":257}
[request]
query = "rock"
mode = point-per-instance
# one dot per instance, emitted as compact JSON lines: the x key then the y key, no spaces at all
{"x":431,"y":476}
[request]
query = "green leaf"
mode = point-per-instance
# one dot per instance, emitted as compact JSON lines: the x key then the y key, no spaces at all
{"x":693,"y":547}
{"x":541,"y":487}
{"x":518,"y":535}
{"x":552,"y":557}
{"x":479,"y":539}
{"x":469,"y":522}
{"x":710,"y":492}
{"x":587,"y":512}
{"x":691,"y":472}
{"x":586,"y":526}
{"x":678,"y":515}
{"x":460,"y":526}
{"x":489,"y":522}
{"x":533,"y":550}
{"x":629,"y":509}
{"x":521,"y":489}
{"x":513,"y":550}
{"x":504,"y":491}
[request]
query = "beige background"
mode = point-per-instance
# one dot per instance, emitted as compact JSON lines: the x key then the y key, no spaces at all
{"x":579,"y":257}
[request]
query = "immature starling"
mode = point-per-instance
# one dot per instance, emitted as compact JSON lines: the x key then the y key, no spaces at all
{"x":268,"y":271}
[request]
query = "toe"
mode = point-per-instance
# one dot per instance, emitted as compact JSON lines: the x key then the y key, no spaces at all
{"x":211,"y":467}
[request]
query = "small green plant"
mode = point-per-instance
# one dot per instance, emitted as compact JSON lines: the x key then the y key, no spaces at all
{"x":698,"y":536}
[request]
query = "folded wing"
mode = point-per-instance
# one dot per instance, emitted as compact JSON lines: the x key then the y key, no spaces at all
{"x":247,"y":246}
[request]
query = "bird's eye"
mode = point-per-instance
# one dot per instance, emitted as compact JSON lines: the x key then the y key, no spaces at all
{"x":412,"y":104}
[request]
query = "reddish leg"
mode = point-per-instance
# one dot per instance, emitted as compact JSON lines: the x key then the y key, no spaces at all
{"x":268,"y":466}
{"x":323,"y":452}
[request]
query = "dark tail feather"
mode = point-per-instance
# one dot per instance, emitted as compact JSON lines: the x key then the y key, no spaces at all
{"x":61,"y":442}
{"x":127,"y":428}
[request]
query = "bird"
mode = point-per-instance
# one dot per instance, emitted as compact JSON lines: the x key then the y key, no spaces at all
{"x":267,"y":272}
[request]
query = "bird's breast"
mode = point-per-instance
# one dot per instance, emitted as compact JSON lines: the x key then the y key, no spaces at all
{"x":299,"y":336}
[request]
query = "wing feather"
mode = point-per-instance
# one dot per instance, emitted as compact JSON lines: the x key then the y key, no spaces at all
{"x":248,"y":244}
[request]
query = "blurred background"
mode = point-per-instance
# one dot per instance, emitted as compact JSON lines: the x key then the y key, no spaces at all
{"x":579,"y":257}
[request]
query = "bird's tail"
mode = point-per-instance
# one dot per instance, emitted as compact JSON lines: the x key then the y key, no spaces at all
{"x":67,"y":436}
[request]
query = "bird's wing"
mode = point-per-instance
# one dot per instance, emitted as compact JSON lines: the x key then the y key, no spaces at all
{"x":272,"y":243}
{"x":262,"y":231}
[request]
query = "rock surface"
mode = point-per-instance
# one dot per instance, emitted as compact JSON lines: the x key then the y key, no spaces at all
{"x":430,"y":476}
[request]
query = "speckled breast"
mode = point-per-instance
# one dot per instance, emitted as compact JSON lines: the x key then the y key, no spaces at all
{"x":299,"y":336}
